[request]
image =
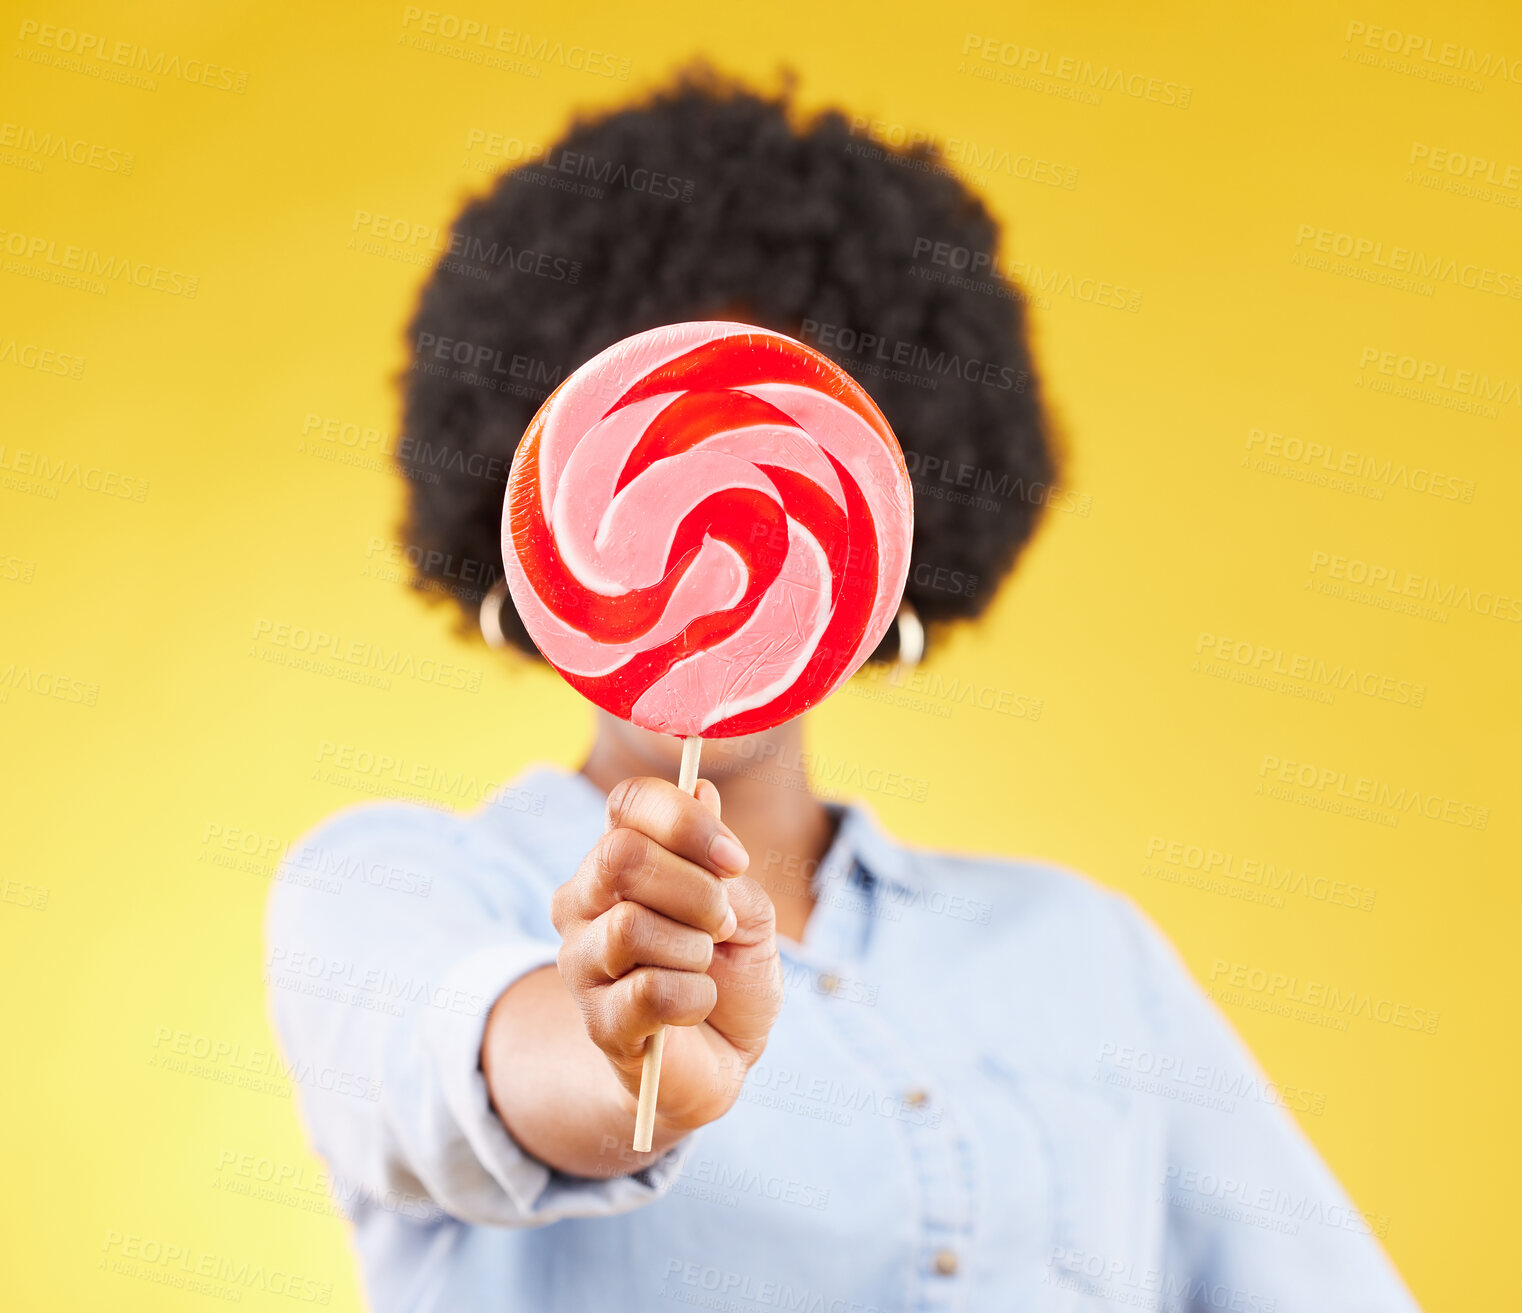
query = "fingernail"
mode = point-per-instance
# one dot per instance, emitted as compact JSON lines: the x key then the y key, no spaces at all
{"x":731,"y":924}
{"x":726,"y":852}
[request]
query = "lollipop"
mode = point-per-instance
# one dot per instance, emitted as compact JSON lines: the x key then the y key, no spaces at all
{"x":707,"y":532}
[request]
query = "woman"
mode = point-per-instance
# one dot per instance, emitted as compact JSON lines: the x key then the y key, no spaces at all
{"x":895,"y":1079}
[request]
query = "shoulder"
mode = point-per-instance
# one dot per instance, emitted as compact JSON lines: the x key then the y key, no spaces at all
{"x":399,"y":834}
{"x":1057,"y":932}
{"x":395,"y":826}
{"x":368,"y":824}
{"x":1017,"y":895}
{"x":405,"y":855}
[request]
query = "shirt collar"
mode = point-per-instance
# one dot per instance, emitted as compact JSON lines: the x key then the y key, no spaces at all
{"x":862,"y":841}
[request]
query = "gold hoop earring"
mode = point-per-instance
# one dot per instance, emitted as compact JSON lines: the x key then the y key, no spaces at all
{"x":491,"y":615}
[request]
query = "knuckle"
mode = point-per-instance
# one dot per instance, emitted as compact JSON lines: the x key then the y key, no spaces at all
{"x":560,"y":907}
{"x":624,"y":1050}
{"x":754,"y":906}
{"x":605,"y":1031}
{"x":621,"y":853}
{"x":577,"y":961}
{"x":624,"y":799}
{"x":651,"y":993}
{"x":624,"y":926}
{"x":766,"y":917}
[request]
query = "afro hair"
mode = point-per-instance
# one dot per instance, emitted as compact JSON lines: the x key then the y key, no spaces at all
{"x":711,"y":200}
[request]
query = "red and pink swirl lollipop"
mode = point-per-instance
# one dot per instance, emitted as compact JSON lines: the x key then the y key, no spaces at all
{"x":707,"y":532}
{"x":707,"y":529}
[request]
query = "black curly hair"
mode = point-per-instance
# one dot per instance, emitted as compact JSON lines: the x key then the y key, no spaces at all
{"x":711,"y":200}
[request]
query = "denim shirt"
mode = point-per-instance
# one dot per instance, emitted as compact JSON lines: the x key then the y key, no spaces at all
{"x":993,"y":1085}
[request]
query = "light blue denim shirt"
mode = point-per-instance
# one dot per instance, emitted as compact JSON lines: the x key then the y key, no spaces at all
{"x":993,"y":1086}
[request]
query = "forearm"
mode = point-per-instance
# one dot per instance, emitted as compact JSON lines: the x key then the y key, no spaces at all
{"x":553,"y":1088}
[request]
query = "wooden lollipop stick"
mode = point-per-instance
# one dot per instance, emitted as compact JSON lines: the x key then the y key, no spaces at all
{"x":650,"y":1072}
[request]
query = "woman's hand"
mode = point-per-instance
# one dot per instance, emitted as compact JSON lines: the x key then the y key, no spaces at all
{"x":662,"y":927}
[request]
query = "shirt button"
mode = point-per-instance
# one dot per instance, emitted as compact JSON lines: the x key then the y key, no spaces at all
{"x":828,"y":984}
{"x":917,"y":1098}
{"x":946,"y":1263}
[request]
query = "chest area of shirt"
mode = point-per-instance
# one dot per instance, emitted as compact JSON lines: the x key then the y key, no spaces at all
{"x":956,"y":1159}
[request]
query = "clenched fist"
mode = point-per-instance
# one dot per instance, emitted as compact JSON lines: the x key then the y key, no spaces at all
{"x":661,"y":927}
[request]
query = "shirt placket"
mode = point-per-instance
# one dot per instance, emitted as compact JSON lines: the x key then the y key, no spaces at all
{"x":838,"y":948}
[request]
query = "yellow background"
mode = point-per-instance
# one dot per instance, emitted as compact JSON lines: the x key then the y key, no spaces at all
{"x":118,"y":811}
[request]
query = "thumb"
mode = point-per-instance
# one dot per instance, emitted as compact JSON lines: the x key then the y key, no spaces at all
{"x":708,"y":795}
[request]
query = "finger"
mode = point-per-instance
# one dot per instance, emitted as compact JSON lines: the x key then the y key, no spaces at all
{"x":625,"y":1013}
{"x":755,"y":913}
{"x":628,"y":935}
{"x":678,"y":822}
{"x":627,"y":866}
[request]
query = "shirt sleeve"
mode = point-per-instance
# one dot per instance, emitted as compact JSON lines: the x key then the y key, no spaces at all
{"x":1256,"y":1220}
{"x":390,"y":933}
